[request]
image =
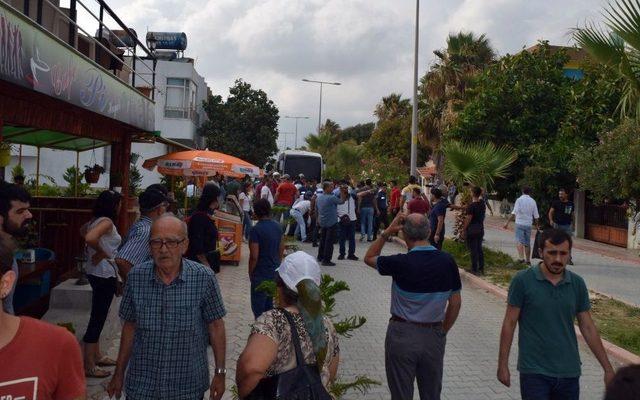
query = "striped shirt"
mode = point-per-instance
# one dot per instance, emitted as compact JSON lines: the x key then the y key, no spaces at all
{"x":169,"y":355}
{"x":423,"y":281}
{"x":135,"y":248}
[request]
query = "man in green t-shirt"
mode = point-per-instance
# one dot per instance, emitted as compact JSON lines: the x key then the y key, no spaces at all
{"x":544,"y":301}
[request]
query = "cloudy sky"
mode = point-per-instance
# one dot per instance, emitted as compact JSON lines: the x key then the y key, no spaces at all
{"x":367,"y":45}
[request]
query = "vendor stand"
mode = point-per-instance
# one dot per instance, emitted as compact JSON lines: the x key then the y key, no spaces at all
{"x":202,"y":164}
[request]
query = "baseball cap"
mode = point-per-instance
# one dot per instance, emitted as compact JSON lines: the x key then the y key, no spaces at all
{"x":150,"y":199}
{"x":297,"y":267}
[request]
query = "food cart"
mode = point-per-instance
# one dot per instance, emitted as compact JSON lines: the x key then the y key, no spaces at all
{"x":229,"y":223}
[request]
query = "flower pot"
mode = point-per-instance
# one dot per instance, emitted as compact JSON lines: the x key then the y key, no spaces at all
{"x":91,"y":176}
{"x":5,"y":157}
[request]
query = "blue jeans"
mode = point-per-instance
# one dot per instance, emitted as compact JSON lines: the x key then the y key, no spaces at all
{"x":260,"y":301}
{"x":347,"y":233}
{"x":366,"y":222}
{"x":542,"y":387}
{"x":301,"y":226}
{"x":246,"y":225}
{"x":564,"y":228}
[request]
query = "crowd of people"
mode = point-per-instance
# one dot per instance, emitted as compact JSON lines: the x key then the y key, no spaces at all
{"x":172,"y":308}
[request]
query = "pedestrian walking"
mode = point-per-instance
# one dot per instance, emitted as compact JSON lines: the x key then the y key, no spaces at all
{"x":202,"y":231}
{"x":102,"y":242}
{"x":171,"y":310}
{"x":347,"y":225}
{"x":39,"y":360}
{"x":245,"y":198}
{"x":266,"y":248}
{"x":418,"y":204}
{"x":299,"y":211}
{"x":436,"y":218}
{"x":135,"y":248}
{"x":297,"y":326}
{"x":381,"y":205}
{"x":366,"y":197}
{"x":326,"y":209}
{"x":525,"y":213}
{"x":561,"y":212}
{"x":543,"y":302}
{"x":473,"y":230}
{"x":14,"y":221}
{"x":425,"y":304}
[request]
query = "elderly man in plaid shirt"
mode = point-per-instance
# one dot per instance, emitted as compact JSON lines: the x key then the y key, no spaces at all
{"x":172,"y":309}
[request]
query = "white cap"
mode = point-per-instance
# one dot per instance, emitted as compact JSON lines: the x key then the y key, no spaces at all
{"x":297,"y":267}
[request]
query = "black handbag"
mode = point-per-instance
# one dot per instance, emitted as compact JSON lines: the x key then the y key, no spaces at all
{"x":301,"y":383}
{"x":345,"y":220}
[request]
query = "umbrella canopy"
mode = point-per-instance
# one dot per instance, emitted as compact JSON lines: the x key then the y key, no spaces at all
{"x":201,"y":163}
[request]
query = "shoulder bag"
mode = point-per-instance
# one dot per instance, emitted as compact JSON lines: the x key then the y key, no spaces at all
{"x":301,"y":383}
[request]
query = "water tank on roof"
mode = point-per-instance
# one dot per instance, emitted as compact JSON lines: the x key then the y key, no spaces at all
{"x":125,"y":38}
{"x":169,"y":40}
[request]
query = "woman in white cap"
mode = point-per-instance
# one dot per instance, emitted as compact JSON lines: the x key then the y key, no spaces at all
{"x":270,"y":349}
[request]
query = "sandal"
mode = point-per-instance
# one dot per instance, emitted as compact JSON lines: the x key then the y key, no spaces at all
{"x":96,"y":372}
{"x":106,"y":362}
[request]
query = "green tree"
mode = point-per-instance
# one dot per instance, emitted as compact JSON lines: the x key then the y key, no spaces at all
{"x":618,"y":45}
{"x":391,"y":107}
{"x":479,"y":164}
{"x":245,"y":125}
{"x":610,"y":169}
{"x":360,"y":133}
{"x":520,"y":101}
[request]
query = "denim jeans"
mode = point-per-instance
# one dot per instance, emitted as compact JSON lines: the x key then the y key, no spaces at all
{"x":260,"y":301}
{"x":246,"y":225}
{"x":542,"y":387}
{"x":347,"y":233}
{"x":301,"y":226}
{"x":366,"y":222}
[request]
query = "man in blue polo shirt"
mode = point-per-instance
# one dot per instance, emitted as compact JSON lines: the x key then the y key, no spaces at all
{"x":425,"y":302}
{"x":543,"y":301}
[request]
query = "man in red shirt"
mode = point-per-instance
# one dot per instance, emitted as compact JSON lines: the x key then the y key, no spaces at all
{"x":418,"y":204}
{"x":286,"y":194}
{"x":394,"y":201}
{"x":39,"y":360}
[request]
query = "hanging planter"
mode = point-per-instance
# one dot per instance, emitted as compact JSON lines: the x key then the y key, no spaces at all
{"x":5,"y":154}
{"x":92,"y":174}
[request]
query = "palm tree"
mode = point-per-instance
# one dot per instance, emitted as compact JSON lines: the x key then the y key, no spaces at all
{"x":443,"y":89}
{"x":619,"y":47}
{"x":321,"y":143}
{"x":391,"y":107}
{"x":479,"y":164}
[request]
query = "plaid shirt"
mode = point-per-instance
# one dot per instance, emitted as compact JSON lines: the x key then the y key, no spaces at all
{"x":169,"y":355}
{"x":135,"y":248}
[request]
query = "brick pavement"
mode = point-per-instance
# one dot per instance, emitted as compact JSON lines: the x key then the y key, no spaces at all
{"x":472,"y":347}
{"x":610,"y":274}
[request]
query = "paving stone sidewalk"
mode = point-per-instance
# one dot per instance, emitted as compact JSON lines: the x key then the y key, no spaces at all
{"x":472,"y":348}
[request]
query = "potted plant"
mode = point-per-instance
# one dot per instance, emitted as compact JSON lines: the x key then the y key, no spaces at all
{"x":92,"y":174}
{"x":5,"y":154}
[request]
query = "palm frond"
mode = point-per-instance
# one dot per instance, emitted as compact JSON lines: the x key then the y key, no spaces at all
{"x":477,"y":163}
{"x":603,"y":46}
{"x":623,"y":17}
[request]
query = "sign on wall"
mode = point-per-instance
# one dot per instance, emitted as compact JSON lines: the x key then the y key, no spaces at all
{"x":33,"y":58}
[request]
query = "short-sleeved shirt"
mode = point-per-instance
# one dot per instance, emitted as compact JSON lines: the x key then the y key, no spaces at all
{"x":169,"y":355}
{"x":423,"y":281}
{"x":438,"y":209}
{"x":268,"y":234}
{"x":286,"y":193}
{"x":477,"y":210}
{"x":366,"y":200}
{"x":395,"y":197}
{"x":525,"y":210}
{"x":381,"y":200}
{"x":407,"y":191}
{"x":265,"y":193}
{"x":275,"y":326}
{"x":303,"y":206}
{"x":562,"y":211}
{"x":41,"y":361}
{"x":326,"y":205}
{"x":135,"y":249}
{"x":418,"y":205}
{"x":245,"y":201}
{"x":546,"y":336}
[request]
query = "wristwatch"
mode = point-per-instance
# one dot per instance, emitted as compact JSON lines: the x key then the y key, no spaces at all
{"x":220,"y":371}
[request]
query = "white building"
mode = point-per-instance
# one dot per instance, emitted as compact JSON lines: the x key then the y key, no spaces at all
{"x":179,"y":94}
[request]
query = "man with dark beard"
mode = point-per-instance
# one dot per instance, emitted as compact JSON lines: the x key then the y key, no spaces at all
{"x":14,"y":217}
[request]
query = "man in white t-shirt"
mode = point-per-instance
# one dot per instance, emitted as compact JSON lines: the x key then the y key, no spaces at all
{"x":265,"y":192}
{"x":525,"y":213}
{"x":298,"y":211}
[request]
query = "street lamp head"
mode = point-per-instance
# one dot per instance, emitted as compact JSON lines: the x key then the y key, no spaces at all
{"x":305,"y":80}
{"x":337,"y":83}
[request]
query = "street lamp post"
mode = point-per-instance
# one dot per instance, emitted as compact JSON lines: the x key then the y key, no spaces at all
{"x":321,"y":83}
{"x":414,"y":113}
{"x":296,"y":118}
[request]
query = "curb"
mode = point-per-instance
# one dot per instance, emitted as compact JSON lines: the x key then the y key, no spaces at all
{"x":621,"y":355}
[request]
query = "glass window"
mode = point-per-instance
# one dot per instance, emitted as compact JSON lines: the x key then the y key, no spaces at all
{"x":180,"y":98}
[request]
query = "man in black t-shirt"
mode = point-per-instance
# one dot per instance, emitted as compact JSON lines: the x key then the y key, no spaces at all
{"x":561,"y":212}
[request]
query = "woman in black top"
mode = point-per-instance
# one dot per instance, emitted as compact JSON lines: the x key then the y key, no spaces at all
{"x":203,"y":234}
{"x":473,"y":230}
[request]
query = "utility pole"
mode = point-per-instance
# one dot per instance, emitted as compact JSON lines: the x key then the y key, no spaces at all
{"x":414,"y":113}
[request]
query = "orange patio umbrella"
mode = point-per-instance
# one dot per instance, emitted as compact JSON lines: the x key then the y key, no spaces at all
{"x":202,"y":163}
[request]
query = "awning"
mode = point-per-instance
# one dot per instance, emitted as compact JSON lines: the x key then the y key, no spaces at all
{"x":49,"y":139}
